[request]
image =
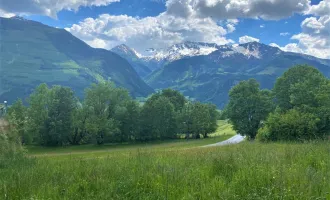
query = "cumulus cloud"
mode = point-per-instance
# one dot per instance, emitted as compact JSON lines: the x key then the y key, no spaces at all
{"x":314,"y":39}
{"x":224,"y":9}
{"x":247,"y":39}
{"x":321,"y":9}
{"x":284,"y":34}
{"x":159,"y":32}
{"x":48,"y":7}
{"x":315,"y":36}
{"x":292,"y":47}
{"x":274,"y":45}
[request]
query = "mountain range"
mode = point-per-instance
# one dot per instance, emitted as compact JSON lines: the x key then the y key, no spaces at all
{"x":32,"y":53}
{"x":206,"y":72}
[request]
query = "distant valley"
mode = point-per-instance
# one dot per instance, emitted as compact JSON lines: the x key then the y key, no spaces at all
{"x":33,"y":53}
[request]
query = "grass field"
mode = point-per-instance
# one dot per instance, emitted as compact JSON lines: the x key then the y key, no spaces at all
{"x":172,"y":170}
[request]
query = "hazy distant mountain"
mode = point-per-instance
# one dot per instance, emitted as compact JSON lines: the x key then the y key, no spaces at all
{"x":133,"y":58}
{"x":32,"y":53}
{"x":209,"y":77}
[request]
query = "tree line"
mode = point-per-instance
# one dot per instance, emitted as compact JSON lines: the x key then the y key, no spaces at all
{"x":296,"y":109}
{"x":108,"y":114}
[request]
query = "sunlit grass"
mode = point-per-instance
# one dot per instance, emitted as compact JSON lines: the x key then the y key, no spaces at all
{"x":179,"y":169}
{"x":244,"y":171}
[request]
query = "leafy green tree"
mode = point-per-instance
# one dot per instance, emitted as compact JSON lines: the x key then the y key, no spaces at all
{"x":302,"y":97}
{"x":17,"y":117}
{"x":200,"y":120}
{"x":185,"y":119}
{"x":197,"y":118}
{"x":100,"y":123}
{"x":130,"y":121}
{"x":38,"y":112}
{"x":299,"y":86}
{"x":158,"y":119}
{"x":79,"y":133}
{"x":175,"y":97}
{"x":59,"y":123}
{"x":146,"y":122}
{"x":164,"y":120}
{"x":248,"y":106}
{"x":214,"y":115}
{"x":118,"y":98}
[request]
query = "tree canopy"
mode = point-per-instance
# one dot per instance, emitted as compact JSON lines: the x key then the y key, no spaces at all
{"x":55,"y":117}
{"x":248,"y":106}
{"x":301,"y":98}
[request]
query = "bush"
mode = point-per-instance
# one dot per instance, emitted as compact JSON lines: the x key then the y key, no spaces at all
{"x":263,"y":134}
{"x":290,"y":126}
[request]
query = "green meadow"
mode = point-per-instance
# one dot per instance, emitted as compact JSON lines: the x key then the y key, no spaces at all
{"x":180,"y":169}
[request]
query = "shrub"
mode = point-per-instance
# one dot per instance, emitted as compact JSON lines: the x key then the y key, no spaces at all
{"x":263,"y":134}
{"x":290,"y":126}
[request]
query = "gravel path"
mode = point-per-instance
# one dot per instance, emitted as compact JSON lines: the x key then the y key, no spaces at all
{"x":233,"y":140}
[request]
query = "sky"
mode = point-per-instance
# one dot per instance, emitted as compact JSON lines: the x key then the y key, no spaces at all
{"x":301,"y":26}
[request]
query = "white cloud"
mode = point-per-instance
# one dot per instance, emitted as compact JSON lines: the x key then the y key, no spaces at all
{"x":284,"y":34}
{"x":224,"y":9}
{"x":314,"y":39}
{"x":107,"y":31}
{"x":230,"y":28}
{"x":292,"y":47}
{"x":247,"y":39}
{"x":233,"y":21}
{"x":274,"y":45}
{"x":6,"y":14}
{"x":315,"y":36}
{"x":262,"y":26}
{"x":48,"y":7}
{"x":321,"y":9}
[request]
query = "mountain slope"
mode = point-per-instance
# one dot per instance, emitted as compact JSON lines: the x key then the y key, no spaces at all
{"x":209,"y":78}
{"x":132,"y":57}
{"x":32,"y":53}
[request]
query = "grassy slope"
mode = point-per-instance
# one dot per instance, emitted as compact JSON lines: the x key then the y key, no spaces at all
{"x":173,"y":170}
{"x":245,"y":171}
{"x":32,"y":53}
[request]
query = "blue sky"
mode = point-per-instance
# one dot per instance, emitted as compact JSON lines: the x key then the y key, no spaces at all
{"x":196,"y":20}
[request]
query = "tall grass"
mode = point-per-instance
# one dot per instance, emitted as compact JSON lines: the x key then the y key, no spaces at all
{"x":245,"y":171}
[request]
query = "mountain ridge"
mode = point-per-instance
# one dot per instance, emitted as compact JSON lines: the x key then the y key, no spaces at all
{"x":33,"y":53}
{"x":208,"y":78}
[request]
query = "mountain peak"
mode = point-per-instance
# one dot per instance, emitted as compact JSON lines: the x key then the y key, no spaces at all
{"x":124,"y":49}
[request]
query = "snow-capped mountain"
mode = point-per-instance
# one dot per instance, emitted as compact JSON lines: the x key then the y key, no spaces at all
{"x":133,"y":57}
{"x":124,"y":49}
{"x":181,"y":50}
{"x":209,"y":78}
{"x":253,"y":50}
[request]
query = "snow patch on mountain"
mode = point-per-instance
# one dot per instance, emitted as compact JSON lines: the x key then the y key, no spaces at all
{"x":254,"y":52}
{"x":178,"y":51}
